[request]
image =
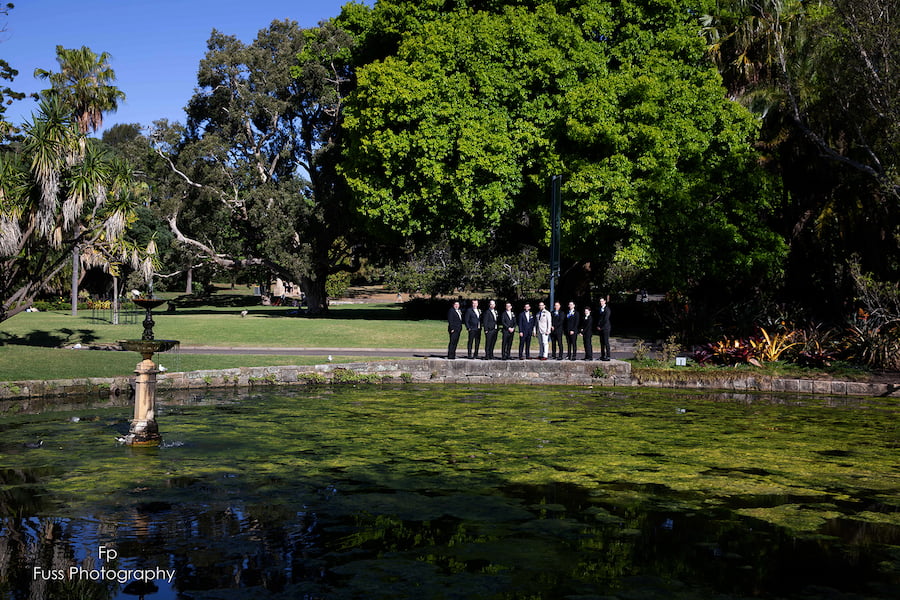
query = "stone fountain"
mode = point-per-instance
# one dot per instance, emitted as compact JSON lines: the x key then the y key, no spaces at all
{"x":144,"y":430}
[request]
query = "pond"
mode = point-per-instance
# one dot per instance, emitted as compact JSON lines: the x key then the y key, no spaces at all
{"x":455,"y":492}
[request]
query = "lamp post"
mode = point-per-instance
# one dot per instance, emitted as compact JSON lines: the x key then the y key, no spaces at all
{"x":555,"y":208}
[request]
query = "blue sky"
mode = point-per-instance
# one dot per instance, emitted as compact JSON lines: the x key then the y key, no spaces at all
{"x":156,"y":46}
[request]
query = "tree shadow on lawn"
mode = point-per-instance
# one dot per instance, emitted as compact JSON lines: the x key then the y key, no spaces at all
{"x":206,"y":304}
{"x":49,"y":339}
{"x":355,"y":314}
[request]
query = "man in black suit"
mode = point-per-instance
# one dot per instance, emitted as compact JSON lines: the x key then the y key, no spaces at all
{"x":526,"y":330}
{"x":454,"y":328}
{"x":508,"y":323}
{"x":603,"y":328}
{"x":472,"y":320}
{"x":587,"y":333}
{"x":489,"y":322}
{"x":557,"y":331}
{"x":571,"y":322}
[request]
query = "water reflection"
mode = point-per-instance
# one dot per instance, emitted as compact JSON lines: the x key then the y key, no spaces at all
{"x":367,"y":494}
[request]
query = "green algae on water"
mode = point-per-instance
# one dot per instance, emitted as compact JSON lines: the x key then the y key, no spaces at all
{"x":499,"y":489}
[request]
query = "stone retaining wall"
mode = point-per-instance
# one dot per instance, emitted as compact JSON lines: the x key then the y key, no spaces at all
{"x":751,"y":383}
{"x":433,"y":370}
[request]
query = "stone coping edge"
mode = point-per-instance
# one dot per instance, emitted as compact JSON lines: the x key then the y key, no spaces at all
{"x":434,"y":370}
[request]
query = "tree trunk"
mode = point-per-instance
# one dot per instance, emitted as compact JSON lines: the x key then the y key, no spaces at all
{"x":76,"y":263}
{"x":316,"y":296}
{"x":188,"y":287}
{"x":115,"y":302}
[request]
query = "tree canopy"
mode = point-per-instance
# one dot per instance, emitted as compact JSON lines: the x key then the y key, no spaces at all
{"x":459,"y":128}
{"x":58,"y":190}
{"x":84,"y":84}
{"x":255,"y":166}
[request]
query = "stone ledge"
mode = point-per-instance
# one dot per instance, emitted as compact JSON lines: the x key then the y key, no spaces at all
{"x":436,"y":370}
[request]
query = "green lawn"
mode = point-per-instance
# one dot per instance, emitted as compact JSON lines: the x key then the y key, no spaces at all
{"x":32,"y":344}
{"x":21,"y":363}
{"x":351,"y":326}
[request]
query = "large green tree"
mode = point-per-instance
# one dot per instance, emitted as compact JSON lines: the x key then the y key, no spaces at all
{"x":58,"y":191}
{"x":259,"y":153}
{"x":457,"y":126}
{"x":660,"y":164}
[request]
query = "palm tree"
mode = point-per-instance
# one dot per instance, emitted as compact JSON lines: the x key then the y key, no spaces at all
{"x":57,"y":192}
{"x":83,"y":83}
{"x":748,"y":40}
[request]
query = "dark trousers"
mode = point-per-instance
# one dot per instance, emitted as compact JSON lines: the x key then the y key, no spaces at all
{"x":525,"y":345}
{"x":556,"y":344}
{"x":474,"y":341}
{"x":506,"y":344}
{"x":588,"y":345}
{"x":604,"y":343}
{"x":454,"y":340}
{"x":571,"y":345}
{"x":490,"y":340}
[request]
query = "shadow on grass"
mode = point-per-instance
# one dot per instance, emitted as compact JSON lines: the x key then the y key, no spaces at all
{"x":336,"y":313}
{"x":49,"y":339}
{"x":216,"y":300}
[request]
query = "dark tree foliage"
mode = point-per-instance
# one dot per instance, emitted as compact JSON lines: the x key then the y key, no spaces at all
{"x":257,"y":161}
{"x":824,"y":78}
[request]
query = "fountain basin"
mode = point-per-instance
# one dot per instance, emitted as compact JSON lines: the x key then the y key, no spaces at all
{"x":147,"y":348}
{"x":148,"y":303}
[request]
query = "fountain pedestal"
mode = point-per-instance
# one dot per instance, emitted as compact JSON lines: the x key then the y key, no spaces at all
{"x":144,"y":430}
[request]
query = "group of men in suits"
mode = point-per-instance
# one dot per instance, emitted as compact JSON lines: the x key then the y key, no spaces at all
{"x":551,"y":327}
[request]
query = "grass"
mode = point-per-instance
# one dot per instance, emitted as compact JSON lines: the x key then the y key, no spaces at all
{"x":22,"y":363}
{"x":34,"y":345}
{"x":351,"y":326}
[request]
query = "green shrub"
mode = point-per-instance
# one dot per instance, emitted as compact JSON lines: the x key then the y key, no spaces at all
{"x":336,"y":284}
{"x":58,"y":304}
{"x":343,"y":376}
{"x":641,"y":350}
{"x":670,"y":349}
{"x":874,"y":346}
{"x":599,"y":373}
{"x":312,"y":378}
